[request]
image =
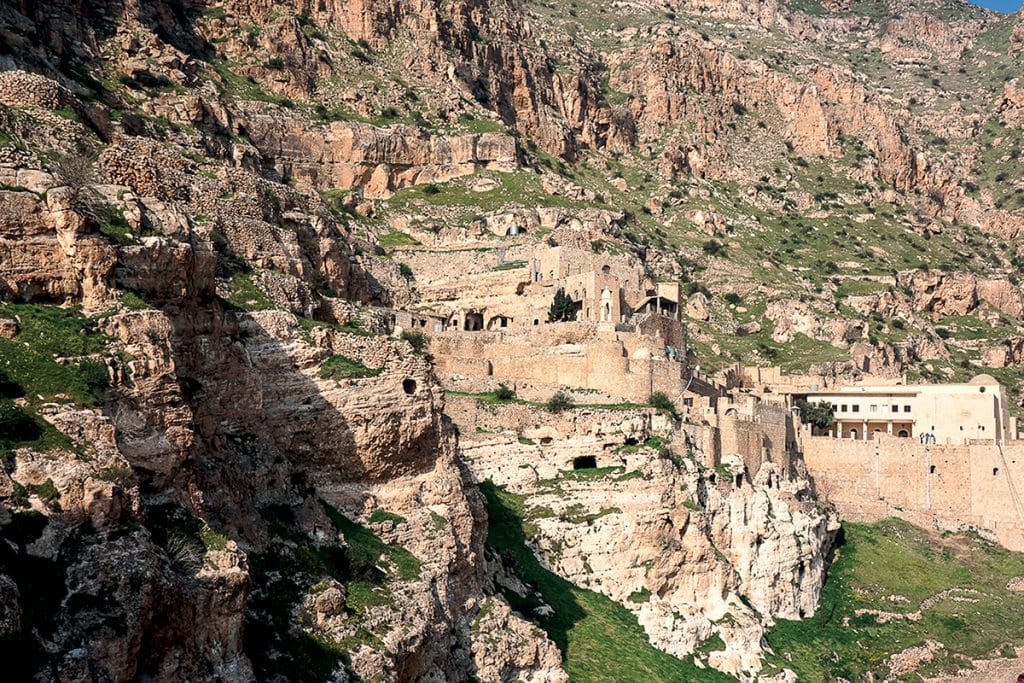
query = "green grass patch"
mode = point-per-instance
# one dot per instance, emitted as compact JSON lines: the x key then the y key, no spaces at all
{"x":114,"y":225}
{"x":212,"y":540}
{"x":479,"y":125}
{"x":390,"y":240}
{"x":381,"y":515}
{"x":30,"y":360}
{"x":892,"y":557}
{"x":245,"y":295}
{"x":364,"y":548}
{"x":514,"y":189}
{"x":341,"y":367}
{"x":353,"y":326}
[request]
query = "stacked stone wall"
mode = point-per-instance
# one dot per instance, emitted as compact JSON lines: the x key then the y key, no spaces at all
{"x":977,"y":485}
{"x":567,"y":355}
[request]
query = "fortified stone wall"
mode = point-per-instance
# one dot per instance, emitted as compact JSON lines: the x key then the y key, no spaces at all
{"x":978,"y":485}
{"x":755,"y":430}
{"x":572,"y":355}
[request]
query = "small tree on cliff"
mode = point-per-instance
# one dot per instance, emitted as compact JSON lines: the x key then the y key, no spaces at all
{"x":664,"y":404}
{"x":559,"y":401}
{"x":562,"y":308}
{"x":818,"y":414}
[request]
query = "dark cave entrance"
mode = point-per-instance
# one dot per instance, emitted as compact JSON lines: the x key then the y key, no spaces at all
{"x":584,"y":462}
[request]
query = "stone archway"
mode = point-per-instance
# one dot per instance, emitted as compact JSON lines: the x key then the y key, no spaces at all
{"x":606,"y":305}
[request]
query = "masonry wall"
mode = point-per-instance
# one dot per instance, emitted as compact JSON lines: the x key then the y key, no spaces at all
{"x":946,"y":486}
{"x":757,"y":431}
{"x":571,"y":356}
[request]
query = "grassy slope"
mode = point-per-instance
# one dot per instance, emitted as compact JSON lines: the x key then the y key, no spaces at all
{"x":600,"y":640}
{"x":895,"y":558}
{"x":29,"y":368}
{"x":47,"y":333}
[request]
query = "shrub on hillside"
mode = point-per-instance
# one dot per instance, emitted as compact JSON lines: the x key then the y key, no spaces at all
{"x":416,"y":339}
{"x":504,"y":393}
{"x":559,"y":401}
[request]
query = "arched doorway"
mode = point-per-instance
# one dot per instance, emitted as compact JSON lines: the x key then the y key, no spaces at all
{"x":853,"y":434}
{"x":606,"y":306}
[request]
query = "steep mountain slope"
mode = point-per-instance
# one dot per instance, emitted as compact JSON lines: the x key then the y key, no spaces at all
{"x":215,"y":466}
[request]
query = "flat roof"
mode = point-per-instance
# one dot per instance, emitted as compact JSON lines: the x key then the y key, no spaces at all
{"x":901,"y":389}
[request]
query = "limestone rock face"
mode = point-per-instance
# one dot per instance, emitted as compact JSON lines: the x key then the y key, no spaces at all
{"x":1017,"y":37}
{"x":515,"y":650}
{"x":376,"y":161}
{"x":944,"y":294}
{"x":50,"y":250}
{"x":697,"y":307}
{"x":222,"y":444}
{"x":679,"y":546}
{"x":916,"y":37}
{"x":1009,"y":353}
{"x":1012,"y":106}
{"x":797,"y":317}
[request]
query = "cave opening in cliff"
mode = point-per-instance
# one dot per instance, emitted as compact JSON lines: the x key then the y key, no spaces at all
{"x":409,"y":386}
{"x":584,"y":462}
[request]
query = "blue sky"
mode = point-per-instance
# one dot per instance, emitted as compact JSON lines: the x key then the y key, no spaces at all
{"x":1001,"y":5}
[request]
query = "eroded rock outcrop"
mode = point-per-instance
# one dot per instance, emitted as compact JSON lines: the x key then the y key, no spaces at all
{"x":680,"y":546}
{"x":375,"y":161}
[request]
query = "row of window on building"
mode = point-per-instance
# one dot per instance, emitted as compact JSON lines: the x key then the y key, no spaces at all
{"x":855,"y":408}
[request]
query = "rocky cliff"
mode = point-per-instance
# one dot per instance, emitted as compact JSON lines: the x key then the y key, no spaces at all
{"x":693,"y":553}
{"x":202,"y":481}
{"x":218,"y":463}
